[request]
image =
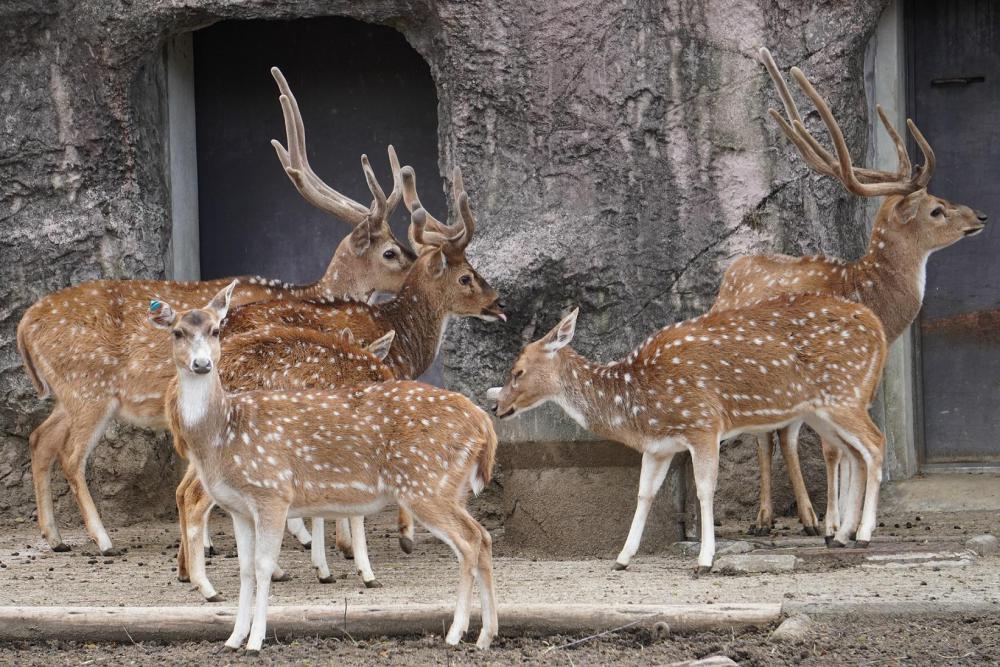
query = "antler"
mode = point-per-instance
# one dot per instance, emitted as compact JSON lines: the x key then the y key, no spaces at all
{"x":426,"y":229}
{"x":296,"y":163}
{"x":860,"y":181}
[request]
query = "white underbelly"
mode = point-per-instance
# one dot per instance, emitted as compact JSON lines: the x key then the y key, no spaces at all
{"x":336,"y":510}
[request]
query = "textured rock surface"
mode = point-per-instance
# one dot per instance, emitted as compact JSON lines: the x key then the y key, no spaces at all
{"x":618,"y":156}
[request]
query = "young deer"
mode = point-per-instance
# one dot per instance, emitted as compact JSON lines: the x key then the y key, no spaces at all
{"x":281,"y":358}
{"x":265,"y":455}
{"x":889,"y":279}
{"x":786,"y":360}
{"x":88,"y":347}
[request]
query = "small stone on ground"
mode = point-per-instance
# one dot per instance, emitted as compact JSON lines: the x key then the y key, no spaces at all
{"x":983,"y":545}
{"x":713,"y":661}
{"x":792,"y":629}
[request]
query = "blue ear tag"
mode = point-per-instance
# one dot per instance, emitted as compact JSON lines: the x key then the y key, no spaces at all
{"x":155,"y":305}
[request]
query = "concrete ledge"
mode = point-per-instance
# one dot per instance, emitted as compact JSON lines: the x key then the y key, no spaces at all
{"x":127,"y":624}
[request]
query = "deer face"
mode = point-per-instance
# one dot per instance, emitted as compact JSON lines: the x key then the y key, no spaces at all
{"x":935,"y":223}
{"x":195,"y":332}
{"x":460,"y":287}
{"x":535,"y":376}
{"x":378,"y":259}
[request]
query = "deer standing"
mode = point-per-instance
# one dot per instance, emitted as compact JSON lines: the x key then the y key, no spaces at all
{"x":89,"y":348}
{"x":889,"y":279}
{"x":281,"y":358}
{"x":265,"y":455}
{"x":785,"y":360}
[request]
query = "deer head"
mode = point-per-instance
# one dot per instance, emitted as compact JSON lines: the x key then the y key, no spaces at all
{"x":195,"y":332}
{"x":442,"y":258}
{"x":910,"y":213}
{"x":371,"y":253}
{"x":534,"y":377}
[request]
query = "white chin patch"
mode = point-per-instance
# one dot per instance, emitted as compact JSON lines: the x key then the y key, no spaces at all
{"x":486,"y":318}
{"x":493,"y":393}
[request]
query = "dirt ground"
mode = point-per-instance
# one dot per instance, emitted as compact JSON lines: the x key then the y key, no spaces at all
{"x":887,"y":642}
{"x":892,"y":569}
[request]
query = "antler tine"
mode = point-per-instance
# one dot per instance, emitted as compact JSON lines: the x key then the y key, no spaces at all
{"x":397,"y":182}
{"x":419,"y":218}
{"x":462,"y":203}
{"x":847,"y":175}
{"x":296,"y":162}
{"x":412,"y":201}
{"x":927,"y":169}
{"x":378,"y":208}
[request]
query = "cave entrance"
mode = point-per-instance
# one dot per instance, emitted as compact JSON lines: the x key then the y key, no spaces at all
{"x":360,"y":87}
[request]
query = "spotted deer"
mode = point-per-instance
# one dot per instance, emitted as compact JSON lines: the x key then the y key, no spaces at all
{"x":88,"y":346}
{"x":266,"y":455}
{"x":785,"y":360}
{"x":281,"y":358}
{"x":888,"y":279}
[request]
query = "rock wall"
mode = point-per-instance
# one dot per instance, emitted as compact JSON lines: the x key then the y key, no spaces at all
{"x":618,"y":156}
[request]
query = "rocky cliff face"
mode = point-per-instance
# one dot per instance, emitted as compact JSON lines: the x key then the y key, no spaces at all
{"x":618,"y":156}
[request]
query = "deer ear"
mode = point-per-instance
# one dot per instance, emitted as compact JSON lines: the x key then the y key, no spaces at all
{"x":380,"y":347}
{"x":907,"y":208}
{"x":562,"y":334}
{"x":220,"y":302}
{"x":436,"y":262}
{"x":347,"y":336}
{"x":161,"y":315}
{"x":361,"y":237}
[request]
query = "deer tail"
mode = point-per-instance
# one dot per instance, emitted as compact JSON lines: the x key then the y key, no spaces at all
{"x":487,"y":457}
{"x":41,"y":386}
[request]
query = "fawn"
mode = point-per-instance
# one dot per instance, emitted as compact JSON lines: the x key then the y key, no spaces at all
{"x":790,"y":359}
{"x":264,"y":455}
{"x":889,"y":279}
{"x":286,"y":358}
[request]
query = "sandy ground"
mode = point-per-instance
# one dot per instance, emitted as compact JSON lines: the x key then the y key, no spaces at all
{"x":30,"y":574}
{"x":886,"y":642}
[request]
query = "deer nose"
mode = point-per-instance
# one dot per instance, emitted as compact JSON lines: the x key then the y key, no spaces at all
{"x":982,"y":217}
{"x":201,"y":365}
{"x":494,"y":408}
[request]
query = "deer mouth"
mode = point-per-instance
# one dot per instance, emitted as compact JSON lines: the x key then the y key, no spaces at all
{"x":505,"y":414}
{"x":493,"y":312}
{"x":972,"y":231}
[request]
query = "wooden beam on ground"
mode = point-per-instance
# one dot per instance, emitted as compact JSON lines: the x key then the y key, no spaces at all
{"x":127,"y":624}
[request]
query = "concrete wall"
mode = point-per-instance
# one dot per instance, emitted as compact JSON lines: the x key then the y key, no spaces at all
{"x":618,"y":156}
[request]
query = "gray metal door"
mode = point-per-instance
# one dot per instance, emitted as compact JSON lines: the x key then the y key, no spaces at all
{"x":360,"y":87}
{"x":954,"y":54}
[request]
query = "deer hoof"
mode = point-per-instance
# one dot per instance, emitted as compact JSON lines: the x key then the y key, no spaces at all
{"x":210,"y":551}
{"x":327,"y":580}
{"x":284,"y":576}
{"x":702,"y":569}
{"x":252,"y":652}
{"x":218,"y":597}
{"x":618,"y":567}
{"x":184,"y":578}
{"x":113,"y":551}
{"x":812,"y":531}
{"x":835,"y":544}
{"x":406,"y":544}
{"x":828,"y":539}
{"x":60,"y":548}
{"x":306,"y":546}
{"x":374,"y":583}
{"x":861,"y":544}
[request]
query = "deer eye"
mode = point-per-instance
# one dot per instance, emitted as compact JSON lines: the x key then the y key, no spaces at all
{"x":178,"y":334}
{"x":465,"y":280}
{"x":937,"y":212}
{"x":389,"y":254}
{"x":215,"y":332}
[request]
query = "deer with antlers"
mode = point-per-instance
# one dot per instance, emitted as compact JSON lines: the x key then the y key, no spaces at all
{"x":404,"y":442}
{"x":291,"y":359}
{"x":785,"y":360}
{"x":889,"y":279}
{"x":88,"y":347}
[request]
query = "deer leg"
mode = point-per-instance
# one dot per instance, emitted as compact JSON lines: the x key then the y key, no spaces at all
{"x":209,"y":544}
{"x":344,"y":538}
{"x":243,"y":528}
{"x":44,"y":443}
{"x":788,"y":438}
{"x":405,"y":523}
{"x":198,"y":504}
{"x":180,"y":498}
{"x":297,"y":527}
{"x":705,"y":460}
{"x":85,"y":431}
{"x":831,"y":455}
{"x":765,"y":515}
{"x":651,"y":476}
{"x":868,"y":443}
{"x":851,"y":516}
{"x":317,"y":551}
{"x":269,"y":529}
{"x":487,"y":590}
{"x":360,"y":546}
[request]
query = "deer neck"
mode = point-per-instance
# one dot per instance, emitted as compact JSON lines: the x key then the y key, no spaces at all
{"x":201,"y":409}
{"x":602,"y":398}
{"x":420,"y":320}
{"x":890,"y":278}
